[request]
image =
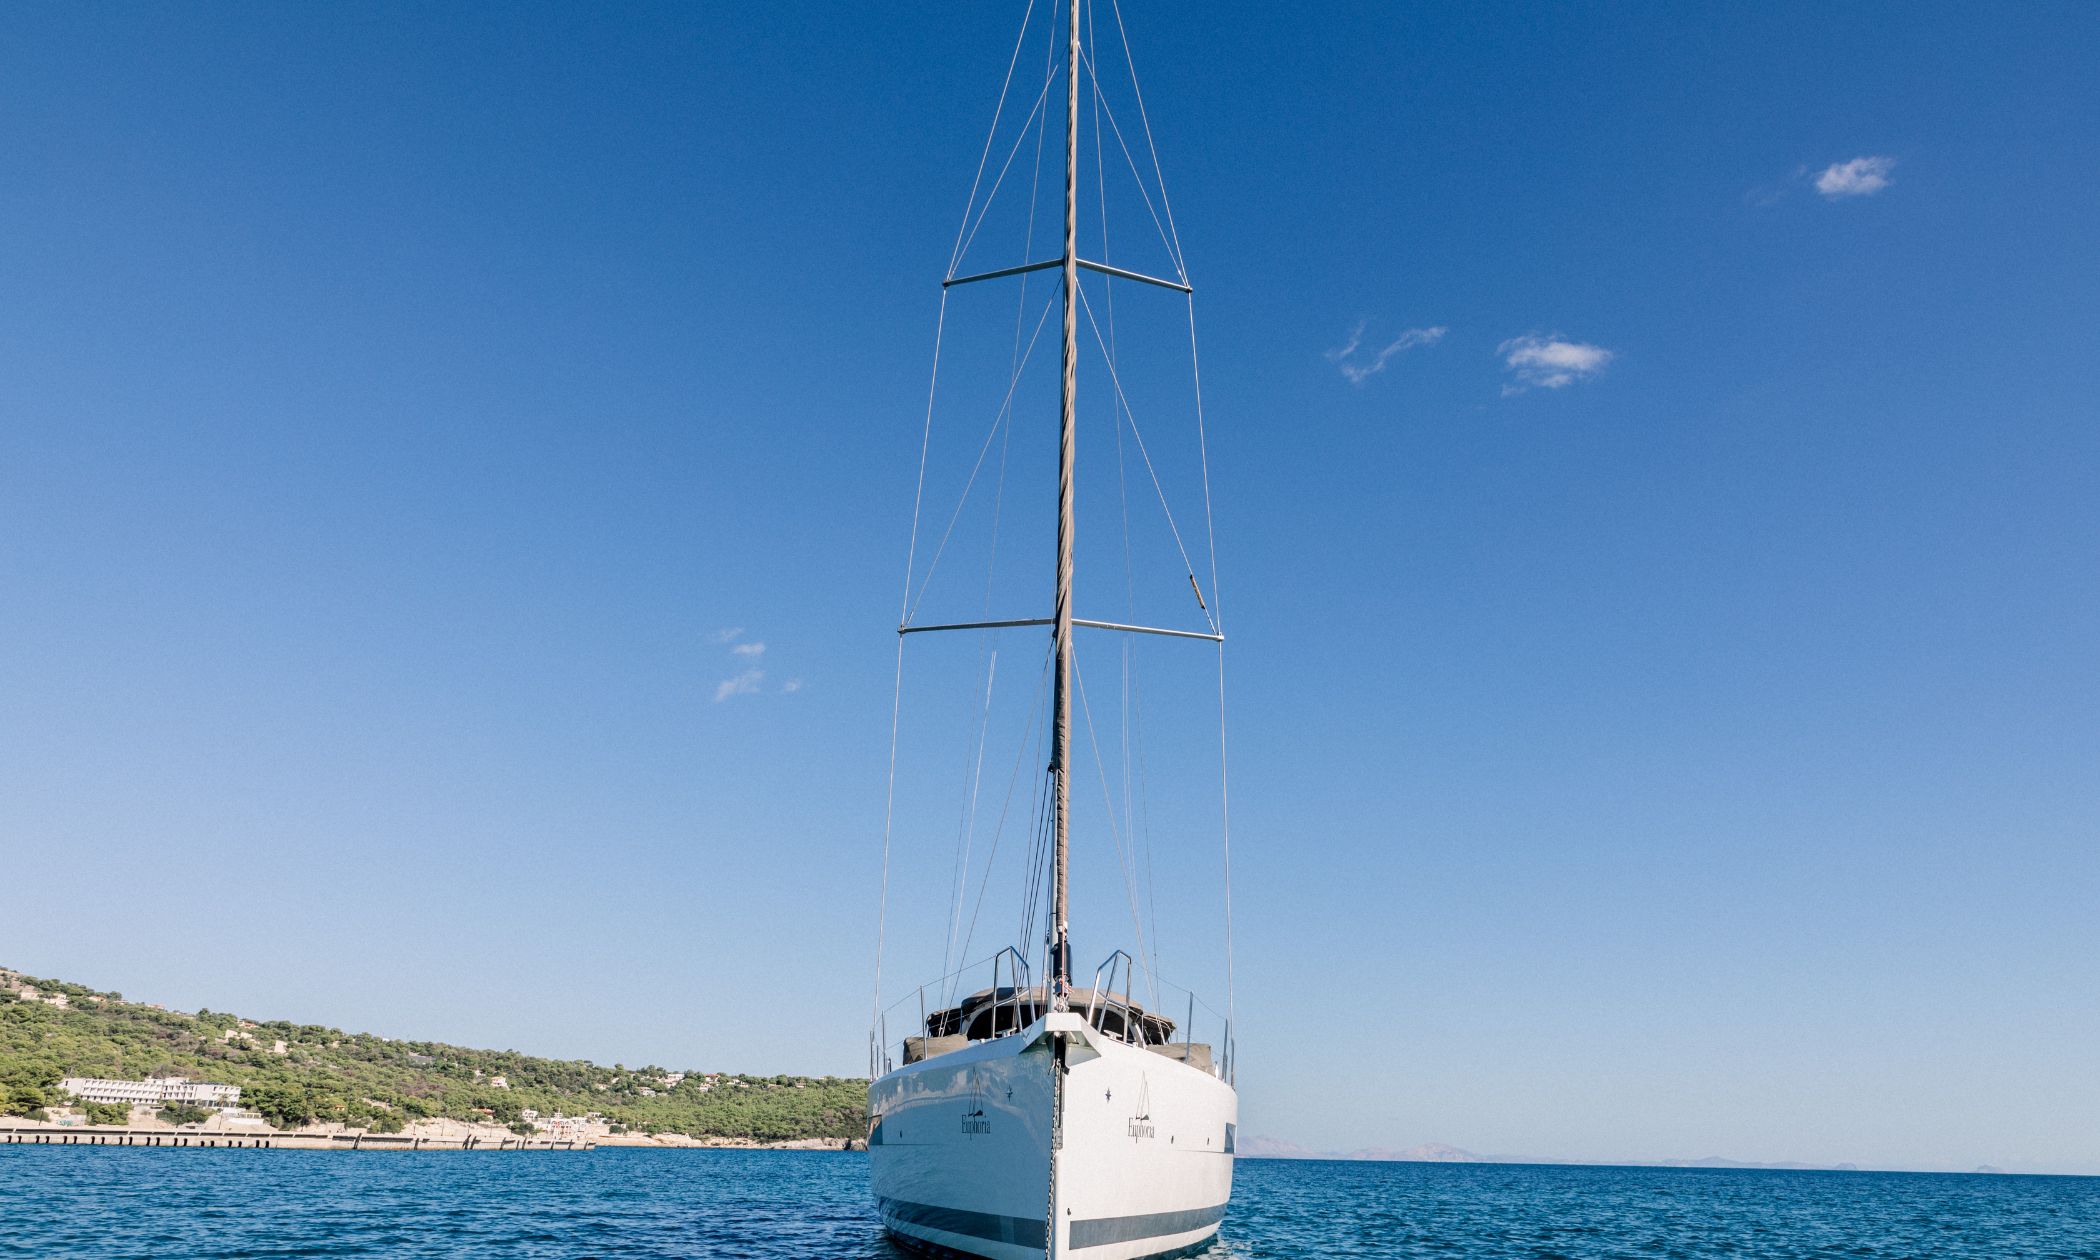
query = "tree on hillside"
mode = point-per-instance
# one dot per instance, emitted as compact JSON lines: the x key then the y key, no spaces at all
{"x":183,"y":1113}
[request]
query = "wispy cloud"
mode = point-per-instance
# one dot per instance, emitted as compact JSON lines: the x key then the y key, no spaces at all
{"x":744,"y":684}
{"x":1860,"y":177}
{"x":1359,"y":368}
{"x":749,"y":680}
{"x":1774,"y":193}
{"x":1549,"y":362}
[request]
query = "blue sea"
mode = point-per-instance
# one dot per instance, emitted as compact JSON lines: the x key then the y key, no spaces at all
{"x":172,"y":1205}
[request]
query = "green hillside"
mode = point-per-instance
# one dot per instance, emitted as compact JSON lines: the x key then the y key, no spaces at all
{"x":359,"y":1079}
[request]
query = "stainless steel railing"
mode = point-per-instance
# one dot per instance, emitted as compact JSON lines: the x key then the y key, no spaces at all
{"x":1015,"y":1005}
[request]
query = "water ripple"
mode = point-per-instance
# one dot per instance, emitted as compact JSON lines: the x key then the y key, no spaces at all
{"x":767,"y":1205}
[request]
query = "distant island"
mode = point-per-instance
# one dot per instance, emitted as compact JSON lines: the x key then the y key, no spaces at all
{"x":70,"y":1054}
{"x":1256,"y":1147}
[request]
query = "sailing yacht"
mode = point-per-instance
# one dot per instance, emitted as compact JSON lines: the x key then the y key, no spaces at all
{"x":1039,"y":1116}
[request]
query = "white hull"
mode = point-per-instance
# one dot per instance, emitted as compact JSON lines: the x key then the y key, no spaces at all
{"x":962,"y":1149}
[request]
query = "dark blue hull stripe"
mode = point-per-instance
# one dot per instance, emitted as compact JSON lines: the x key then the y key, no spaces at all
{"x":986,"y":1225}
{"x":1022,"y":1232}
{"x":1114,"y":1229}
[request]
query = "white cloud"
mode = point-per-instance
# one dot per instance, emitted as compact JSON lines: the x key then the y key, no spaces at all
{"x":1358,"y":368}
{"x":744,"y":684}
{"x":1861,"y":177}
{"x":728,"y":635}
{"x":1549,"y":362}
{"x":749,"y":649}
{"x":792,"y":685}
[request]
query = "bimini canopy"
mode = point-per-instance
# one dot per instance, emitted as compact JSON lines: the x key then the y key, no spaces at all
{"x":990,"y":1013}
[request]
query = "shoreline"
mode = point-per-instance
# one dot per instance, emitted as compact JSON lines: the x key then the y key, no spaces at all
{"x":681,"y":1142}
{"x":31,"y":1133}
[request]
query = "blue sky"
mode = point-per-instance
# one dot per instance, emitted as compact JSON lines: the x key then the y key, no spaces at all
{"x":1663,"y":703}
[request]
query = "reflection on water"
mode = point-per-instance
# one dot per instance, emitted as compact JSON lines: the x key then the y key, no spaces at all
{"x":763,"y":1205}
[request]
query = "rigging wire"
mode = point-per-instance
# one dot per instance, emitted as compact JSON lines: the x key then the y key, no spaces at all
{"x":973,"y":220}
{"x":1211,"y":536}
{"x":1216,"y":609}
{"x":1143,"y":117}
{"x":1115,"y":833}
{"x":889,"y":807}
{"x":882,"y":901}
{"x":967,"y":828}
{"x":1013,"y":780}
{"x":1035,"y":893}
{"x":911,"y":555}
{"x":1173,"y":251}
{"x":1139,"y":437}
{"x":992,"y":133}
{"x":999,"y":420}
{"x":989,"y":197}
{"x":988,"y":654}
{"x":999,"y":423}
{"x":1035,"y":186}
{"x":1128,"y":735}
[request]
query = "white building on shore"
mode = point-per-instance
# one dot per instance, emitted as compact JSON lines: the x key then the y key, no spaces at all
{"x":561,"y":1128}
{"x":158,"y":1091}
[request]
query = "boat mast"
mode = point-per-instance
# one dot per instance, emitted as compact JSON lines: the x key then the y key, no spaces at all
{"x":1061,"y":704}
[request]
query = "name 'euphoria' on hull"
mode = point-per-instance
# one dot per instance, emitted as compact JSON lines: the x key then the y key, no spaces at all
{"x":1123,"y":1150}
